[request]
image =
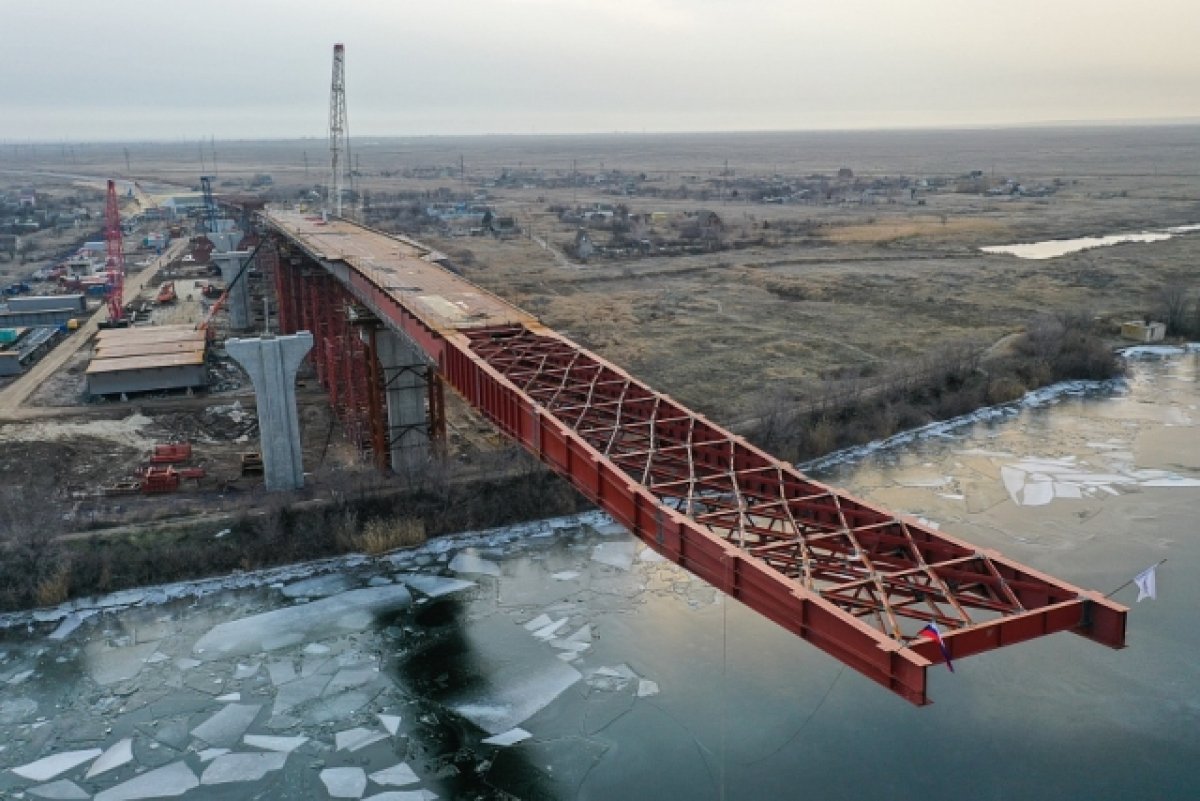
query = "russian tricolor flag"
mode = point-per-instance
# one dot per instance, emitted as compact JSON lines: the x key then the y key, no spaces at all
{"x":931,"y":632}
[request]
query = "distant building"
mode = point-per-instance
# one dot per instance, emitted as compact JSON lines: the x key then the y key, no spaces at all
{"x":1143,"y":331}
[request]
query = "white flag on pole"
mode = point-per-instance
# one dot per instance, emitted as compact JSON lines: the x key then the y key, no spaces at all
{"x":1145,"y":582}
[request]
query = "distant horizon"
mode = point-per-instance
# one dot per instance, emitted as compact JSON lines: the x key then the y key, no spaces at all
{"x":1120,"y":122}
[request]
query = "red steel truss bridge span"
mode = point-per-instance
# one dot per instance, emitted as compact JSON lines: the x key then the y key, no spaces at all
{"x":853,"y":579}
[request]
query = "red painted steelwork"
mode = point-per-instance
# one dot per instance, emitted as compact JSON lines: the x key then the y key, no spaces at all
{"x":853,"y":579}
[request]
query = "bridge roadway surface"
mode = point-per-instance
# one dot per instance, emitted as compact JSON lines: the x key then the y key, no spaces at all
{"x":853,"y":579}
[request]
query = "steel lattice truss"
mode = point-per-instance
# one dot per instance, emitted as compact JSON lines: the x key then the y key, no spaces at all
{"x":892,"y":573}
{"x":851,"y":578}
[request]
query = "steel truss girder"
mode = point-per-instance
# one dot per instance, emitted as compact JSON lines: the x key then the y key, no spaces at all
{"x":852,"y":579}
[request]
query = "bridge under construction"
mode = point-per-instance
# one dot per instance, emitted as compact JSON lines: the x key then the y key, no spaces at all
{"x":391,"y":327}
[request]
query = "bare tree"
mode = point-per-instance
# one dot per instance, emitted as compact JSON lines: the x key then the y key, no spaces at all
{"x":1171,"y":304}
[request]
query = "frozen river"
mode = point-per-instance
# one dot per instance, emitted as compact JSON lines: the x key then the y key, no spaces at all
{"x":564,"y":661}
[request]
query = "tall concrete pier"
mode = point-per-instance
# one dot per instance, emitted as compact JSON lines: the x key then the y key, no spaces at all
{"x":272,"y":363}
{"x":238,"y":304}
{"x":404,"y":368}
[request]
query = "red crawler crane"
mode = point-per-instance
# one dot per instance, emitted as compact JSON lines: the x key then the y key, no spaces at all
{"x":115,"y":264}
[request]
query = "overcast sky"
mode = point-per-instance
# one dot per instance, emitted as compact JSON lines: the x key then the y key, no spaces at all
{"x":81,"y":70}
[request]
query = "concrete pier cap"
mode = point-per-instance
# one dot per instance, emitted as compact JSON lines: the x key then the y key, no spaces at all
{"x":272,"y":363}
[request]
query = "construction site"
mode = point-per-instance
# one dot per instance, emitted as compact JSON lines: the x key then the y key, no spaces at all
{"x":286,"y":350}
{"x":657,"y":359}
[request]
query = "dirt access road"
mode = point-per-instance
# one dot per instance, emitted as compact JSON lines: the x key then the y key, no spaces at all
{"x":17,"y":393}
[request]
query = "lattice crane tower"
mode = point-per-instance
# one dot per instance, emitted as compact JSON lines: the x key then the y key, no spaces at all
{"x":114,"y":267}
{"x":339,"y":130}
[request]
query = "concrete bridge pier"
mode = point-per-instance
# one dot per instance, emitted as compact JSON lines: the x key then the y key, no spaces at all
{"x":272,"y":363}
{"x":405,"y":389}
{"x":238,"y":303}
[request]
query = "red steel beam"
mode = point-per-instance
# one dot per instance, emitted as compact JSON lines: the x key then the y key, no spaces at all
{"x":851,"y":578}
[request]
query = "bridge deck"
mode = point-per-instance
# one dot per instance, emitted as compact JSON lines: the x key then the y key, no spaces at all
{"x":855,"y":580}
{"x":403,"y":269}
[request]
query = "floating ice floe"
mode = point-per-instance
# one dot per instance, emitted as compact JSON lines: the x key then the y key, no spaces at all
{"x":118,"y":754}
{"x":611,"y":678}
{"x":344,"y":782}
{"x":70,"y":623}
{"x":227,"y":726}
{"x":398,"y":775}
{"x":510,"y":737}
{"x":228,"y":698}
{"x":209,"y":754}
{"x":294,"y":624}
{"x":319,"y":586}
{"x":242,"y":767}
{"x":390,"y":722}
{"x":404,"y":795}
{"x":646,"y":688}
{"x":550,"y":629}
{"x":356,"y":739}
{"x":165,"y":782}
{"x":48,"y":767}
{"x":514,"y":693}
{"x":62,"y":789}
{"x":1037,"y":482}
{"x":284,"y":745}
{"x":566,"y":575}
{"x":468,"y":561}
{"x":615,"y":554}
{"x":246,"y":671}
{"x":435,"y":586}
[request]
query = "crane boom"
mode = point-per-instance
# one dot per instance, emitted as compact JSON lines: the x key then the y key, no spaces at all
{"x":114,"y":266}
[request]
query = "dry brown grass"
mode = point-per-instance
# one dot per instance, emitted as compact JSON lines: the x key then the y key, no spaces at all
{"x":931,"y":228}
{"x":384,"y":534}
{"x":54,"y":589}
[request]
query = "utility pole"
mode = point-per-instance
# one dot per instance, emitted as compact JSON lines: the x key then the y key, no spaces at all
{"x":214,"y":154}
{"x":338,"y":135}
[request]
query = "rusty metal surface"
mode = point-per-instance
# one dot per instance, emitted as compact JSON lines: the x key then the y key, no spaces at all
{"x":853,"y":579}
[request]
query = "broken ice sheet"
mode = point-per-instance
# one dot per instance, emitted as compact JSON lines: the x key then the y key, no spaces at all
{"x":565,"y":575}
{"x":48,"y":767}
{"x":269,"y":742}
{"x":246,"y":671}
{"x":356,"y":738}
{"x":390,"y":722}
{"x":319,"y":586}
{"x":617,"y":554}
{"x":118,"y":754}
{"x":435,"y":586}
{"x":287,"y":626}
{"x":647,"y":688}
{"x":397,"y":775}
{"x":611,"y":678}
{"x":68,"y":625}
{"x":242,"y":767}
{"x":344,"y":782}
{"x":228,"y":725}
{"x":469,"y":561}
{"x":549,"y":630}
{"x":404,"y":795}
{"x":515,"y":692}
{"x":61,"y":789}
{"x":510,"y":737}
{"x":165,"y":782}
